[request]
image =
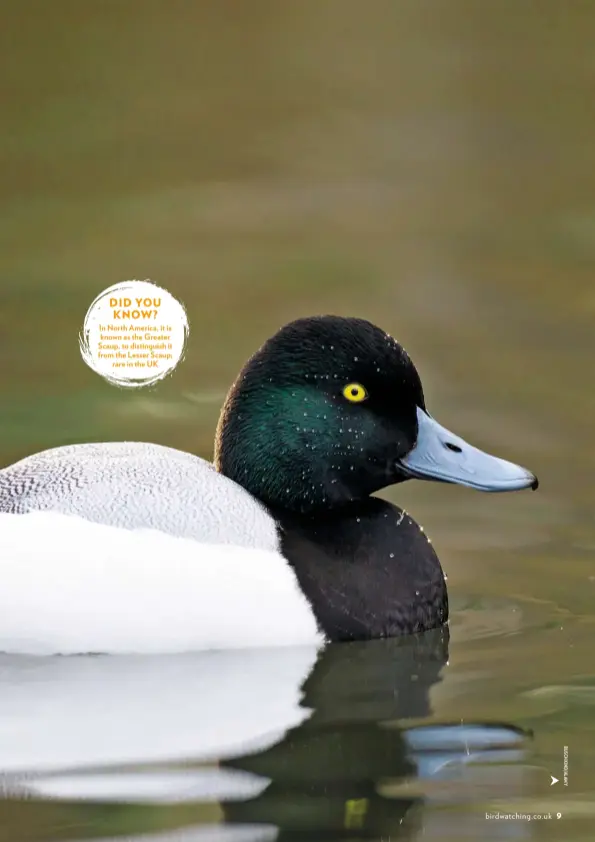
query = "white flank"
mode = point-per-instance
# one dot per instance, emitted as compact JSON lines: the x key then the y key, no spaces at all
{"x":70,"y":586}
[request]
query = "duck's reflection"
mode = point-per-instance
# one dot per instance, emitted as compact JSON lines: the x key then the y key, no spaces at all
{"x":325,"y":773}
{"x":345,"y":765}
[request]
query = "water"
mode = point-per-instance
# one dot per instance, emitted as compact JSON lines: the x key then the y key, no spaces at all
{"x":397,"y":739}
{"x":428,"y":167}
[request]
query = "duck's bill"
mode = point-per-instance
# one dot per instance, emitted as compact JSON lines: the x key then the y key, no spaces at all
{"x":440,"y":455}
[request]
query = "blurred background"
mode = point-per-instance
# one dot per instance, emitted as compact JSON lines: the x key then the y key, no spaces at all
{"x":429,"y":166}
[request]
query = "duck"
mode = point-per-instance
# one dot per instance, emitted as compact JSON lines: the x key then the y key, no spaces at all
{"x":138,"y":548}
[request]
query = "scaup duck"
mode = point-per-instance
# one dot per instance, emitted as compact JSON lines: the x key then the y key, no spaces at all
{"x":128,"y":547}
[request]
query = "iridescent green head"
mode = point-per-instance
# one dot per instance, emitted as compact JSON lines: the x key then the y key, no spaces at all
{"x":330,"y":410}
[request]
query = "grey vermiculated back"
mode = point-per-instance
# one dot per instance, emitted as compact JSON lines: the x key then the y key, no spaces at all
{"x":137,"y":485}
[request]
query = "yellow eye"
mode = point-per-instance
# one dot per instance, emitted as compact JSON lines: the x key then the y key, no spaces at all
{"x":355,"y":392}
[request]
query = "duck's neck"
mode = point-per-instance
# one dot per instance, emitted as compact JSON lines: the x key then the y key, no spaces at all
{"x":368,"y":570}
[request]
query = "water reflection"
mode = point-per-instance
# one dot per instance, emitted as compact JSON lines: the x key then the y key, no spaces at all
{"x":305,"y":743}
{"x":338,"y":773}
{"x":82,"y":712}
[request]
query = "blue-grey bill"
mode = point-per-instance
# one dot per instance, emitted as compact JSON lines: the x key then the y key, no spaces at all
{"x":440,"y":455}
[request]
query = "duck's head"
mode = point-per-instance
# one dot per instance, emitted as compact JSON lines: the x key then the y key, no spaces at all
{"x":332,"y":409}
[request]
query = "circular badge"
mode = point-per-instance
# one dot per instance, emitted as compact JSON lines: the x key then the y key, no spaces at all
{"x":134,"y":334}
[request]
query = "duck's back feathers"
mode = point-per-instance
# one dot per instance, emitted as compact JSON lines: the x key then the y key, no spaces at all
{"x":132,"y":547}
{"x":136,"y":485}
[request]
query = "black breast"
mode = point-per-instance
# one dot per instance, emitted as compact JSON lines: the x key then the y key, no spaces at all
{"x":368,"y":571}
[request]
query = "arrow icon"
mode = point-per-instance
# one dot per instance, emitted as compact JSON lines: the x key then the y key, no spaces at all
{"x":554,"y":780}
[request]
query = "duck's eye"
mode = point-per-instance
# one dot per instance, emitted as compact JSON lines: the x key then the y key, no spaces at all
{"x":355,"y":392}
